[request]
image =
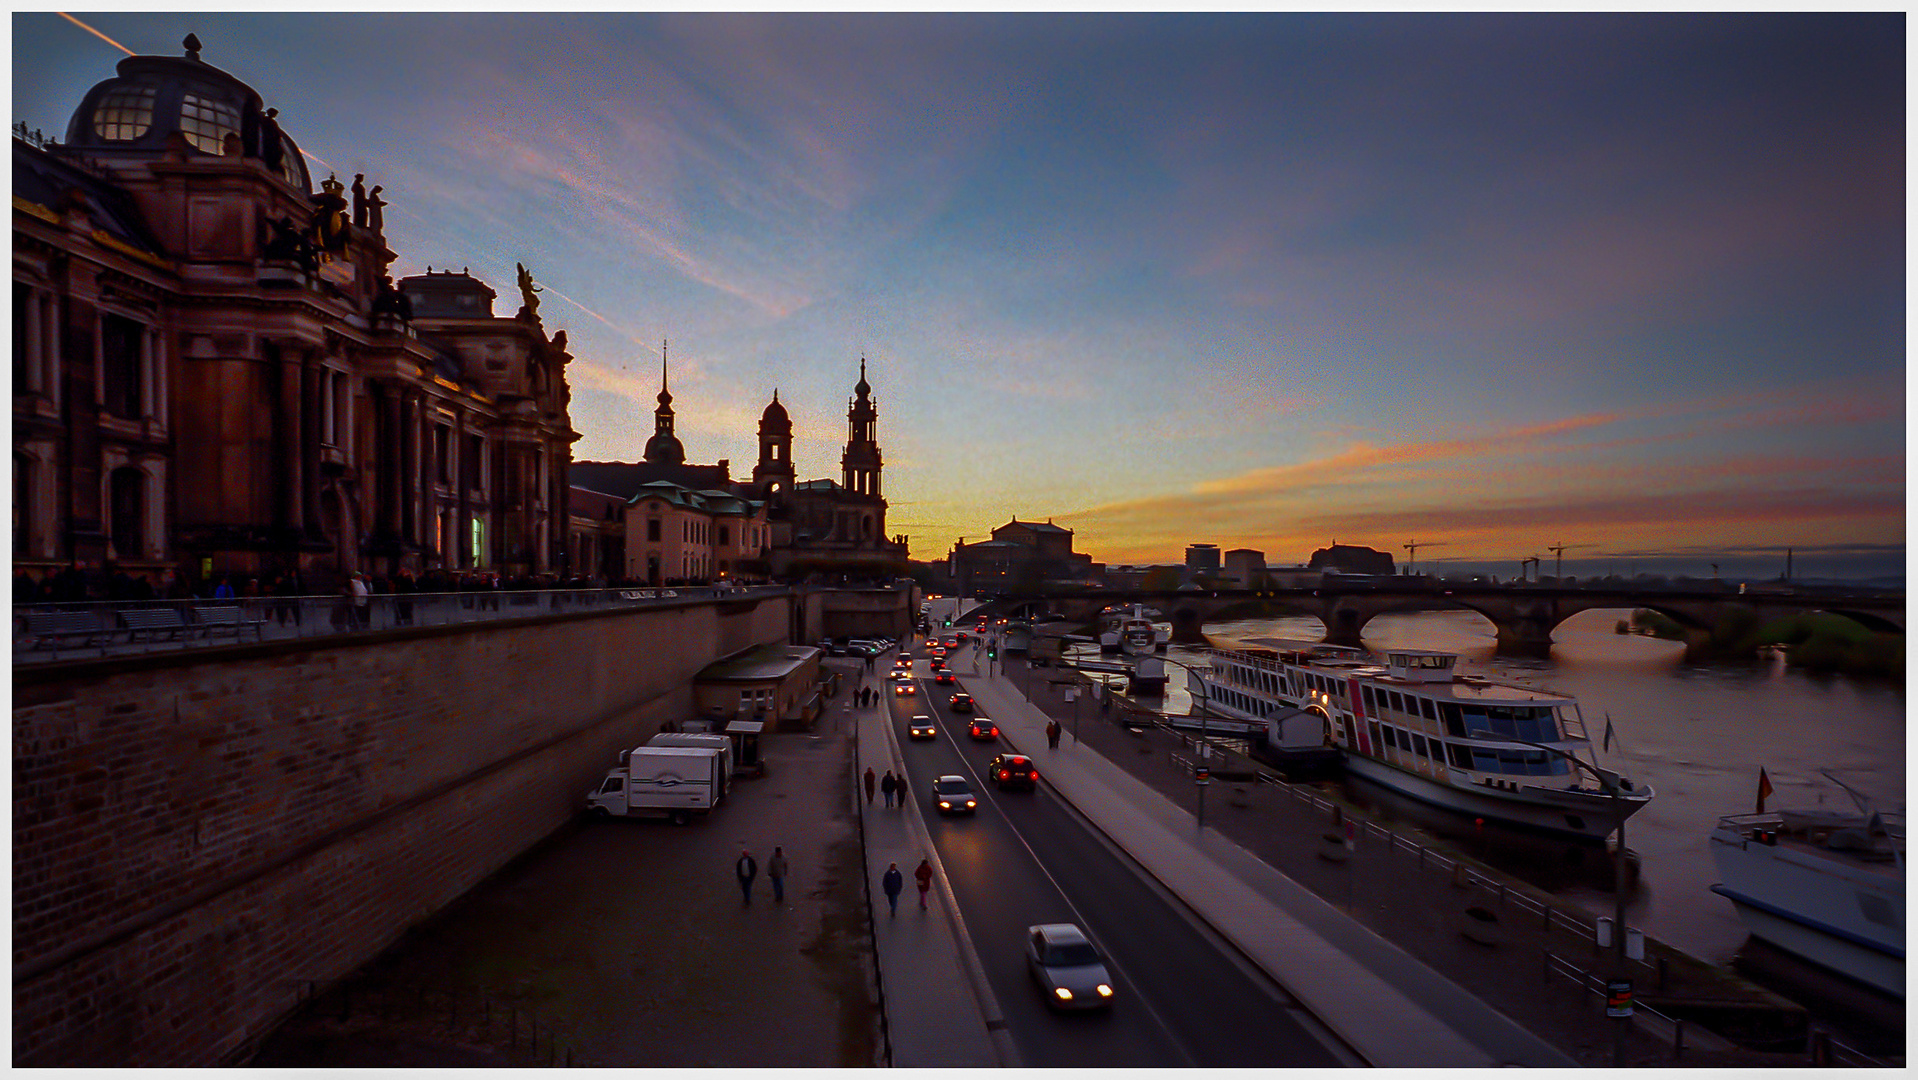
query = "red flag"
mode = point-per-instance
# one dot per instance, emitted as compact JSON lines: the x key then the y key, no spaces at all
{"x":1764,"y":788}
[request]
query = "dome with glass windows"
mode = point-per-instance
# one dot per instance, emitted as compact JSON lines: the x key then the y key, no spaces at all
{"x":133,"y":114}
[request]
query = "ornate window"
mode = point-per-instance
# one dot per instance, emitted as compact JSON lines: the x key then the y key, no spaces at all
{"x":121,"y":360}
{"x":124,"y":114}
{"x":206,"y":123}
{"x":127,"y":496}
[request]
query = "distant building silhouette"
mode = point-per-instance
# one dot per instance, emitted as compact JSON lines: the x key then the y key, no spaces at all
{"x":1351,"y":559}
{"x":1021,"y":554}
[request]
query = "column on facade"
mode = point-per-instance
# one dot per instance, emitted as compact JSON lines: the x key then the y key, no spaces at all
{"x":386,"y":423}
{"x":36,"y":350}
{"x":148,"y":380}
{"x":292,"y":501}
{"x":312,"y":385}
{"x":409,"y":464}
{"x":429,"y":479}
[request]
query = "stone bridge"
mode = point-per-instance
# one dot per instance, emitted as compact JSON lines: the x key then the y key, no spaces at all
{"x":1525,"y":615}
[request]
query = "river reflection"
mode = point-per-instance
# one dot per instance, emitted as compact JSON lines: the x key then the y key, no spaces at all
{"x":1697,"y":733}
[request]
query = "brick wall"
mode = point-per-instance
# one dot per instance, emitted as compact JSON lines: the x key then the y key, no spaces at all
{"x":197,"y":835}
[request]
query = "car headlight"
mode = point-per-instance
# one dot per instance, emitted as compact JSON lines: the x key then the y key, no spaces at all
{"x":970,"y":804}
{"x":1064,"y":994}
{"x":1104,"y":990}
{"x":944,"y":805}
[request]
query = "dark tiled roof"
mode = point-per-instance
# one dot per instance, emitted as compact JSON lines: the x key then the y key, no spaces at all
{"x":625,"y":478}
{"x":40,"y":177}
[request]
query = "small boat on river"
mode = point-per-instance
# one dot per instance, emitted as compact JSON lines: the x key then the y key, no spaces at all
{"x":1129,"y":630}
{"x":1468,"y":744}
{"x":1826,"y":885}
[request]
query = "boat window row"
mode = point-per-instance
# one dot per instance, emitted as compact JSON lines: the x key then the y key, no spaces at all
{"x":1245,"y":703}
{"x":1505,"y":762}
{"x":1520,"y":723}
{"x":1312,"y":680}
{"x":1256,"y":678}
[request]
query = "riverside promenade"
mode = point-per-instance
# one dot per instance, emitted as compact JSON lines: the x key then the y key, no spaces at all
{"x":626,"y":943}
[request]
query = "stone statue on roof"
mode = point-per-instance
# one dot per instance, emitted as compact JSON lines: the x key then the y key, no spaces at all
{"x":529,"y":308}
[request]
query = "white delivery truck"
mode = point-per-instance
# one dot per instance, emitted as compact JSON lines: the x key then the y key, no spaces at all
{"x":676,"y":781}
{"x":721,"y":743}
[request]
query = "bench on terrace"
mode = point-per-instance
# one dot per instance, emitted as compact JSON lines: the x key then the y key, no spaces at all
{"x":54,"y":629}
{"x":151,"y":623}
{"x":227,"y":619}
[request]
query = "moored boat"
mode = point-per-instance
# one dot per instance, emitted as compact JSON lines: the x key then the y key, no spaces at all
{"x":1828,"y":886}
{"x":1129,"y":630}
{"x":1465,"y":743}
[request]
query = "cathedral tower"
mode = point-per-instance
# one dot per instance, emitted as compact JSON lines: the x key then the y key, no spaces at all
{"x":774,"y":473}
{"x":664,"y":448}
{"x":861,"y":460}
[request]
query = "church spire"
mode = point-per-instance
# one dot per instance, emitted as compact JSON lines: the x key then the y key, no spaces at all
{"x":664,"y":447}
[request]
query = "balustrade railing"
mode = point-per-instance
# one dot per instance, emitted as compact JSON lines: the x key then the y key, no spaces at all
{"x":66,"y":631}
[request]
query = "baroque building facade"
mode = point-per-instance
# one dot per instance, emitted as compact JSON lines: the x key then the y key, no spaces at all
{"x":689,"y":522}
{"x":215,"y":374}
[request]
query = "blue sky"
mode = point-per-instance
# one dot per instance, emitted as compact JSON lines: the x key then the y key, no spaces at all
{"x":1629,"y":282}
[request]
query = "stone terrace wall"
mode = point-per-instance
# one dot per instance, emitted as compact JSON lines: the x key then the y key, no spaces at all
{"x":197,"y":835}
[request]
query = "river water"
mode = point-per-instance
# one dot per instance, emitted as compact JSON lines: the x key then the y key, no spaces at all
{"x":1697,"y":733}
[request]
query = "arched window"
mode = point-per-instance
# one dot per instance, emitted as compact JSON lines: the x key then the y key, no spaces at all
{"x":126,"y":497}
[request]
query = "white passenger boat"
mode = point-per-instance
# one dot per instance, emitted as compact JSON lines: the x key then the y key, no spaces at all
{"x":1824,"y":885}
{"x":1129,"y":630}
{"x":1465,"y":743}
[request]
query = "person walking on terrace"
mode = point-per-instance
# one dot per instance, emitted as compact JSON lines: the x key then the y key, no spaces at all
{"x":888,"y":785}
{"x":746,"y":869}
{"x":871,"y":782}
{"x":776,"y":873}
{"x":924,"y":874}
{"x":892,"y":883}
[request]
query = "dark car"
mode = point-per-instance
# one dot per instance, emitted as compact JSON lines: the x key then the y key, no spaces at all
{"x":921,"y":728}
{"x":905,"y":688}
{"x":938,"y":663}
{"x":952,"y":795}
{"x":1013,"y":770}
{"x":1067,"y":967}
{"x":945,"y":677}
{"x":960,"y":702}
{"x":983,"y":729}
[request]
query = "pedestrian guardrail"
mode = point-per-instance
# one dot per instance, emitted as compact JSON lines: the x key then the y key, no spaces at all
{"x":65,"y":631}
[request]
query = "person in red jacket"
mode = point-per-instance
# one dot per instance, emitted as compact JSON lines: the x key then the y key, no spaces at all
{"x":924,"y":874}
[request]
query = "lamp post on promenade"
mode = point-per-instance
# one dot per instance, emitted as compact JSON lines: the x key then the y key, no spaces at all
{"x":1608,"y":782}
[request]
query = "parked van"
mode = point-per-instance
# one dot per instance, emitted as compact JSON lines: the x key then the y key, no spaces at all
{"x":674,"y":781}
{"x":721,"y":743}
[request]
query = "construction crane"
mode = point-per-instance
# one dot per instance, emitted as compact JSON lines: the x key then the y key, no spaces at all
{"x":1413,"y":546}
{"x":1523,"y":563}
{"x":1559,"y":549}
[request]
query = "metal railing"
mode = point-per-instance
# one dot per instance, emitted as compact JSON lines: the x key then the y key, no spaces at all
{"x":67,"y":631}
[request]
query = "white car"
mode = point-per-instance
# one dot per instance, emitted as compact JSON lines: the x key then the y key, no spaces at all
{"x":1067,"y":967}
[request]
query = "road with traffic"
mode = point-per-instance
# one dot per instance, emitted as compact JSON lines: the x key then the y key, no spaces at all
{"x":1183,"y":997}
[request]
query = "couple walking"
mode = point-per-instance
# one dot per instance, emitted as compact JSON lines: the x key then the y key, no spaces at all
{"x":891,"y":785}
{"x":746,"y":869}
{"x":894,"y":882}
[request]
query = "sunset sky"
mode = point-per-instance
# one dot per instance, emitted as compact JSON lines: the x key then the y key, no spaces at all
{"x":1630,"y":283}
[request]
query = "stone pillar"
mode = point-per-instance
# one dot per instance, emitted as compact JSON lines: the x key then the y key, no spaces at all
{"x":312,"y":385}
{"x":409,"y":465}
{"x":36,"y":343}
{"x":389,"y":459}
{"x":287,"y":439}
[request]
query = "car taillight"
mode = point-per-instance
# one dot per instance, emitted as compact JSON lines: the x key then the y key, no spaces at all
{"x":1034,"y":774}
{"x":1004,"y":775}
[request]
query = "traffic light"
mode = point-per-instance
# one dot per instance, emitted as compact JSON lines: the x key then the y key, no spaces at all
{"x":992,"y":652}
{"x":948,"y":624}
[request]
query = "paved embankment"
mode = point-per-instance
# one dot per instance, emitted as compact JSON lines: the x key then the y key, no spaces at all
{"x":628,"y":944}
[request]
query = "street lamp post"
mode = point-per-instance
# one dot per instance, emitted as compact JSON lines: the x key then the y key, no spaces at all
{"x":1608,"y":782}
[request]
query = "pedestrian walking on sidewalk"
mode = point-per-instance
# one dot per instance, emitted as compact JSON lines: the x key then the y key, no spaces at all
{"x":746,"y":869}
{"x":924,"y":874}
{"x":888,"y":785}
{"x":892,"y":883}
{"x":776,"y":873}
{"x":871,"y":782}
{"x":1052,"y":734}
